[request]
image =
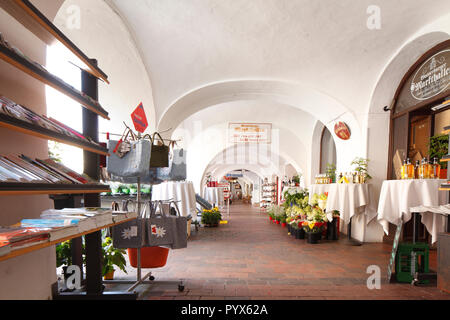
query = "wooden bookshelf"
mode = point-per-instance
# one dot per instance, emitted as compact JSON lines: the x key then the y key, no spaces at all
{"x":21,"y":126}
{"x":46,"y":77}
{"x":17,"y":188}
{"x":47,"y":243}
{"x":445,"y":158}
{"x":32,"y":19}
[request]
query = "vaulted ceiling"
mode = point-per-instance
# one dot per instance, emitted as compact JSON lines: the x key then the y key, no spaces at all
{"x":322,"y":44}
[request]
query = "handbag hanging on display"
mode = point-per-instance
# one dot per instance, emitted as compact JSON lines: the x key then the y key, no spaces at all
{"x":159,"y":153}
{"x":129,"y":157}
{"x":176,"y":171}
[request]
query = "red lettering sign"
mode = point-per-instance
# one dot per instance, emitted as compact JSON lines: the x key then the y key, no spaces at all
{"x":139,"y":119}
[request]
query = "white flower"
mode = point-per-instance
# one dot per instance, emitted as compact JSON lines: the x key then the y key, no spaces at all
{"x":126,"y":234}
{"x":160,"y":232}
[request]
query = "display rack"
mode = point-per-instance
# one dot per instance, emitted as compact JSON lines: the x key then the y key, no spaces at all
{"x":268,"y":194}
{"x":49,"y":79}
{"x":31,"y":18}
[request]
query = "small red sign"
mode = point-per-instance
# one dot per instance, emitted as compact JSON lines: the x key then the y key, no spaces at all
{"x":139,"y":119}
{"x":342,"y":131}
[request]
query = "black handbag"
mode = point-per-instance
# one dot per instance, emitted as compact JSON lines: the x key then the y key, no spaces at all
{"x":160,"y":153}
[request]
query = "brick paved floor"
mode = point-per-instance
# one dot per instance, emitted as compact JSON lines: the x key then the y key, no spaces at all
{"x":251,"y":258}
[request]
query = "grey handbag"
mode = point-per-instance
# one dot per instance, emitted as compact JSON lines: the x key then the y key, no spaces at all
{"x":134,"y":163}
{"x":160,"y":227}
{"x":180,"y":234}
{"x":130,"y":234}
{"x":176,"y":171}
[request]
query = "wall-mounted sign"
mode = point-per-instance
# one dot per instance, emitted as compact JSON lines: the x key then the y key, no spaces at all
{"x":250,"y":132}
{"x":433,"y":77}
{"x":139,"y":119}
{"x":342,"y":131}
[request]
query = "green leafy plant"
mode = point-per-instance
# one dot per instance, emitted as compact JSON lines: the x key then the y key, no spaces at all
{"x":361,"y":167}
{"x":211,"y":217}
{"x":331,"y":171}
{"x":296,"y":179}
{"x":438,"y":147}
{"x":112,"y":257}
{"x":63,"y":254}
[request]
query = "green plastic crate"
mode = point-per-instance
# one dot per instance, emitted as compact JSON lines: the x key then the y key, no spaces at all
{"x":403,"y":261}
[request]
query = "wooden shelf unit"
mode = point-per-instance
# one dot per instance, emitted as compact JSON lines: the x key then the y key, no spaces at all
{"x":47,"y":78}
{"x":45,"y":244}
{"x":18,"y":188}
{"x":47,"y":134}
{"x":32,"y":19}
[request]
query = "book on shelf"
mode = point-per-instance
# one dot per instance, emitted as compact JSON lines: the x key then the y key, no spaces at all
{"x":4,"y":250}
{"x":17,"y":173}
{"x":18,"y":236}
{"x":28,"y":166}
{"x":100,"y":216}
{"x":66,"y":172}
{"x":60,"y":178}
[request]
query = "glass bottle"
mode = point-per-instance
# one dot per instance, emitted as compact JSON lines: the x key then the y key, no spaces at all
{"x":404,"y":174}
{"x":436,"y":168}
{"x":416,"y":170}
{"x":409,"y":169}
{"x":427,"y":168}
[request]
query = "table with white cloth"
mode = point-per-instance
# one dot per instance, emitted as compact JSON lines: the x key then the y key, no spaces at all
{"x":183,"y":192}
{"x":318,"y":189}
{"x":214,"y":195}
{"x":398,"y":198}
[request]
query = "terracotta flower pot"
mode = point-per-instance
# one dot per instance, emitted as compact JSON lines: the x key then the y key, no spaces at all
{"x":278,"y":222}
{"x":109,"y":275}
{"x":443,"y":174}
{"x":283,"y":224}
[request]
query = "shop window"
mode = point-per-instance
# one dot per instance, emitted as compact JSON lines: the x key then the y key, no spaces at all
{"x":327,"y":150}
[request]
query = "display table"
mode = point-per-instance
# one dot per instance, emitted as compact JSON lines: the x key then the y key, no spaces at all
{"x":398,"y":197}
{"x":434,"y":219}
{"x":349,"y":199}
{"x":214,"y":195}
{"x":177,"y":191}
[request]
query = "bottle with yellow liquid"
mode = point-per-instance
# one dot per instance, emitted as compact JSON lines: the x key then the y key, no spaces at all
{"x":404,"y":171}
{"x":409,"y":169}
{"x":416,"y":170}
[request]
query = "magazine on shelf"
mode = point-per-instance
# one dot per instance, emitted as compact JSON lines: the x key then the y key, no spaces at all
{"x":73,"y":132}
{"x":60,"y":178}
{"x":48,"y":223}
{"x":23,"y":169}
{"x":24,"y":164}
{"x":63,"y":170}
{"x":101,"y":216}
{"x":20,"y":175}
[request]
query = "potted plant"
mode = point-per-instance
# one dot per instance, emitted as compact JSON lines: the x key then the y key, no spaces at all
{"x":64,"y":256}
{"x":283,"y":221}
{"x":331,"y":172}
{"x":296,"y":180}
{"x":361,"y":167}
{"x":437,"y":148}
{"x":211,"y":218}
{"x":112,"y":257}
{"x":314,"y":225}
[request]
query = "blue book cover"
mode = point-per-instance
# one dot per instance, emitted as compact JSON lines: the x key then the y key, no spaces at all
{"x":48,"y":223}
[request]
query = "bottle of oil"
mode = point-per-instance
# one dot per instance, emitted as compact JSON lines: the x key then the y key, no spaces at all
{"x":416,"y":170}
{"x":428,"y":169}
{"x":404,"y":174}
{"x":409,"y":169}
{"x":436,"y":169}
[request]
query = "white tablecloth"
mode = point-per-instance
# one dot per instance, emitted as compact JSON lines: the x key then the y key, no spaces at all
{"x":214,"y":195}
{"x":397,"y":197}
{"x":434,"y":219}
{"x":318,"y":189}
{"x":178,"y":191}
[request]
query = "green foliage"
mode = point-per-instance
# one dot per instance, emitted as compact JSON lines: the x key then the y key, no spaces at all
{"x":294,"y":198}
{"x":296,"y":179}
{"x":331,"y":171}
{"x":211,"y":217}
{"x":112,"y":257}
{"x":361,"y":166}
{"x":63,"y":254}
{"x":438,"y":147}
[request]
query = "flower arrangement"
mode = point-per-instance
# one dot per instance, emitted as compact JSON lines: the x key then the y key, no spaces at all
{"x":211,"y":217}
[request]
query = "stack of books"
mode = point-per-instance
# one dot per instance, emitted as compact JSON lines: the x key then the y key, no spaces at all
{"x":20,"y":168}
{"x":67,"y":222}
{"x":19,"y":236}
{"x":12,"y":110}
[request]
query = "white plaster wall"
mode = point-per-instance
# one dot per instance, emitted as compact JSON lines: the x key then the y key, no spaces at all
{"x":104,"y":35}
{"x":29,"y":276}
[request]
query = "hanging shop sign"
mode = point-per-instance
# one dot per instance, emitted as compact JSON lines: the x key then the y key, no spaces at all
{"x":433,"y":77}
{"x":430,"y":79}
{"x":342,"y":130}
{"x":139,"y":119}
{"x":250,"y":132}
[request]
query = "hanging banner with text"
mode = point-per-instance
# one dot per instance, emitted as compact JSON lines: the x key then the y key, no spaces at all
{"x":250,"y":133}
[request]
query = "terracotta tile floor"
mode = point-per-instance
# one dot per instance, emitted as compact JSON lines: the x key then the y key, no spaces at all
{"x":251,"y":258}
